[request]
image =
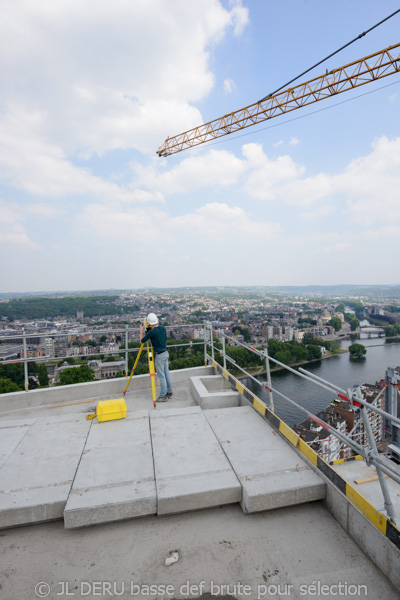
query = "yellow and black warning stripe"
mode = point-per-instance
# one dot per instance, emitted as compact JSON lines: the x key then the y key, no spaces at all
{"x":388,"y":528}
{"x":343,"y":460}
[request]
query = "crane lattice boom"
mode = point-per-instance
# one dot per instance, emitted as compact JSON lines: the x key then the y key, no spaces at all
{"x":367,"y":69}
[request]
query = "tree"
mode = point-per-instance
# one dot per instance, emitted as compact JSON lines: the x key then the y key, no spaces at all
{"x":283,"y":356}
{"x":246,"y":334}
{"x":103,"y":339}
{"x":392,"y":330}
{"x":90,"y":343}
{"x":356,"y":305}
{"x":43,"y":376}
{"x":314,"y":351}
{"x":15,"y":372}
{"x":354,"y":323}
{"x":76,"y":375}
{"x":45,"y":307}
{"x":273,"y":346}
{"x":7,"y":386}
{"x":69,"y":360}
{"x":198,"y":348}
{"x":308,"y":338}
{"x":340,"y":308}
{"x":357,"y":350}
{"x":392,"y":308}
{"x":331,"y":346}
{"x":336,"y":323}
{"x":299,"y":352}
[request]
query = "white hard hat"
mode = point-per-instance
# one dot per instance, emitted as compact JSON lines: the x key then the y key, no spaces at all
{"x":152,"y":319}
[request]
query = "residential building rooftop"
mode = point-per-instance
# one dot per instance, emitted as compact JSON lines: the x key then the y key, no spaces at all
{"x":93,"y":509}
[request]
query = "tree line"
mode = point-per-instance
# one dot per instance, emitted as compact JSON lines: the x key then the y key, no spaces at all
{"x":68,"y":306}
{"x":12,"y":378}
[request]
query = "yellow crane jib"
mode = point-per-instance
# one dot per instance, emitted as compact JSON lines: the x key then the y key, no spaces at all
{"x":365,"y":70}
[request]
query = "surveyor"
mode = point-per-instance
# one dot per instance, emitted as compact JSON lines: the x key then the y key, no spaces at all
{"x":157,"y":334}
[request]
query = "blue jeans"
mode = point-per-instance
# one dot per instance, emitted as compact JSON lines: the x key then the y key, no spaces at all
{"x":161,"y":361}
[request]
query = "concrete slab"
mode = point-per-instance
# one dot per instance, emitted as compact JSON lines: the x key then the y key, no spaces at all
{"x":298,"y":545}
{"x":271,"y":473}
{"x":213,"y":391}
{"x":191,"y":469}
{"x":358,"y":469}
{"x":11,"y":434}
{"x":115,"y":478}
{"x":37,"y":477}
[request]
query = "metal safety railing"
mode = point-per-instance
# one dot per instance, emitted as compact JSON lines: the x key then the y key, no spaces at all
{"x":126,"y":332}
{"x":352,"y":395}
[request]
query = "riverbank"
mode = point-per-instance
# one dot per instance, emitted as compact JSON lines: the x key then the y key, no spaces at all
{"x":262,"y":371}
{"x":343,"y":372}
{"x":277,"y":368}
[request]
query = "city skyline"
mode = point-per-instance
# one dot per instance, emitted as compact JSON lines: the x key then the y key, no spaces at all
{"x":90,"y":91}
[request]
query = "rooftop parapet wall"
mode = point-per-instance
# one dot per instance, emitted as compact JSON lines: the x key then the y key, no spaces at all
{"x":91,"y":390}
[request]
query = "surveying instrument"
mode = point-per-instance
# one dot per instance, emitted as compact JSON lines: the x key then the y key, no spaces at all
{"x":150,"y":357}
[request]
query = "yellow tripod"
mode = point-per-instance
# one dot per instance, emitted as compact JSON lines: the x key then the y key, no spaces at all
{"x":152,"y":370}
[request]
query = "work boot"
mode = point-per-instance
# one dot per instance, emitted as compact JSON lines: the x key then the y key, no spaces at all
{"x":162,"y":399}
{"x":169,"y":394}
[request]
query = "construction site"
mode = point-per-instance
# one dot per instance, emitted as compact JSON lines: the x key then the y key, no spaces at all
{"x":106,"y":492}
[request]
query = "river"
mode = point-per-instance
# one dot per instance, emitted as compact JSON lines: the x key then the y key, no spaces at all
{"x":340,"y":370}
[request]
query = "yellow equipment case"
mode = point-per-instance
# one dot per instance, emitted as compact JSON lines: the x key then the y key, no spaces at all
{"x":109,"y":410}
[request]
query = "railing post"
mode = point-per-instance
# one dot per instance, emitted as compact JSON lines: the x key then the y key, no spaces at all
{"x":223,"y":350}
{"x":126,"y":350}
{"x":374,"y":454}
{"x":205,"y":343}
{"x":25,"y":362}
{"x":271,"y":399}
{"x":211,"y":341}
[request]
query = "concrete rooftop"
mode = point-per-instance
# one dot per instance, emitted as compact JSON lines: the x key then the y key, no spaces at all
{"x":220,"y":486}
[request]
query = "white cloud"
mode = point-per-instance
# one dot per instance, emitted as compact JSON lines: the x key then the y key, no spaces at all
{"x":318,"y":213}
{"x":217,"y":221}
{"x":268,"y":176}
{"x":335,"y":248}
{"x":239,"y":16}
{"x":369,"y":185}
{"x":43,"y":210}
{"x":126,"y":225}
{"x":294,"y":141}
{"x":42,"y":169}
{"x":107,"y":76}
{"x":212,"y":222}
{"x":229,"y":86}
{"x":364,"y":185}
{"x":11,"y":230}
{"x":213,"y":168}
{"x":390,"y":231}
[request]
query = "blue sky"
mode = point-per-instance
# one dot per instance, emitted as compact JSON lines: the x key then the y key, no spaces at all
{"x":89,"y":91}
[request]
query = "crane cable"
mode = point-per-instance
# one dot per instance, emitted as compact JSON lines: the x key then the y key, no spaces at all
{"x":330,"y":55}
